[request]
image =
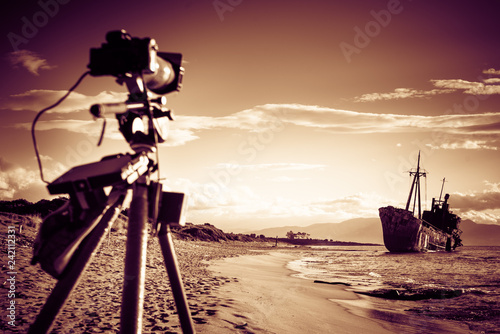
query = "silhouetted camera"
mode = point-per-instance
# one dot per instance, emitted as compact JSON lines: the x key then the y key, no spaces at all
{"x":123,"y":56}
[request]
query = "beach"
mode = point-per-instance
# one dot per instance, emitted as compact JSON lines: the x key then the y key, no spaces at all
{"x":267,"y":299}
{"x":94,"y":304}
{"x":232,"y":287}
{"x":272,"y":301}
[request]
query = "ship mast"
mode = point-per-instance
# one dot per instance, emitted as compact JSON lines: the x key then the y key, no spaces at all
{"x":442,"y":187}
{"x":416,"y":186}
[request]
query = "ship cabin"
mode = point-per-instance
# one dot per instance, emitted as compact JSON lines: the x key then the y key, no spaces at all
{"x":440,"y":216}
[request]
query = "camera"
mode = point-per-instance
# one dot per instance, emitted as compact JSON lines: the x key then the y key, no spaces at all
{"x":124,"y":56}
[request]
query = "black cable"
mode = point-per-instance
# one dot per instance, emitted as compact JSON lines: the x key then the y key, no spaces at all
{"x":41,"y":112}
{"x":102,"y":132}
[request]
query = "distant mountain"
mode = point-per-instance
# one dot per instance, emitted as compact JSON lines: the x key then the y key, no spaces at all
{"x":369,"y":230}
{"x":480,"y":234}
{"x":364,"y":230}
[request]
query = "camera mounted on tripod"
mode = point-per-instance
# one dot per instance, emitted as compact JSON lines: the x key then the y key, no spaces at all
{"x":124,"y":56}
{"x":143,"y":120}
{"x":137,"y":63}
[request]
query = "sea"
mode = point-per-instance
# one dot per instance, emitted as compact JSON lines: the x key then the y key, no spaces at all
{"x":426,"y":291}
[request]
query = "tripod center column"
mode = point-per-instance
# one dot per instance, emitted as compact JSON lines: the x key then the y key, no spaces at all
{"x":135,"y":260}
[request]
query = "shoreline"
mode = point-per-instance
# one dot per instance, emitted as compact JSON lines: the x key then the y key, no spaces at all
{"x":272,"y":301}
{"x":264,"y":297}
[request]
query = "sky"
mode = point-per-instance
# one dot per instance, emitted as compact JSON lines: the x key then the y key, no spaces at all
{"x":291,"y":113}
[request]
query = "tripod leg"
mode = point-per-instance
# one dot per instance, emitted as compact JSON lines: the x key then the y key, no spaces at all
{"x":174,"y":276}
{"x":135,"y":260}
{"x":75,"y":268}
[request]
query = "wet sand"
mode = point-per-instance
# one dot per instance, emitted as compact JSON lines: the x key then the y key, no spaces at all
{"x":269,"y":300}
{"x":266,"y":299}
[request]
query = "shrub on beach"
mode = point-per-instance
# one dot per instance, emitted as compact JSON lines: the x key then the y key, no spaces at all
{"x":207,"y":232}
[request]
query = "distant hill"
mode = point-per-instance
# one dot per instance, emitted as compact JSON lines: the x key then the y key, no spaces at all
{"x":369,"y":230}
{"x":363,"y":230}
{"x":480,"y":234}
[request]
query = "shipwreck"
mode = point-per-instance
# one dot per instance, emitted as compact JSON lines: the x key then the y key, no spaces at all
{"x":405,"y":230}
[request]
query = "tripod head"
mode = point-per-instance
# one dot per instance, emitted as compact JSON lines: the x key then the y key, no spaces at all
{"x":143,"y":120}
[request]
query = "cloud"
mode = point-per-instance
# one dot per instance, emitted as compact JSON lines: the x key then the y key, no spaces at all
{"x":185,"y":128}
{"x":29,"y":60}
{"x":450,"y":131}
{"x":443,"y":86}
{"x":468,"y":87}
{"x":479,"y":201}
{"x":89,"y":128}
{"x":342,"y":121}
{"x":73,"y":125}
{"x":179,"y":137}
{"x":335,"y":120}
{"x":270,"y":118}
{"x":477,"y":131}
{"x":14,"y":179}
{"x":37,"y":99}
{"x":482,"y":217}
{"x":182,"y":130}
{"x":492,"y":80}
{"x":401,"y":93}
{"x":464,"y":145}
{"x":250,"y":119}
{"x":492,"y":71}
{"x":481,"y":207}
{"x":353,"y":206}
{"x":277,"y":116}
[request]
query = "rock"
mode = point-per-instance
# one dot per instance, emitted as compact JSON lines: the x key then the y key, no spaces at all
{"x":413,"y":294}
{"x":334,"y":283}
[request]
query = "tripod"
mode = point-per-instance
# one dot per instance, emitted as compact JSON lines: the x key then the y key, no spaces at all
{"x":69,"y":237}
{"x":143,"y":198}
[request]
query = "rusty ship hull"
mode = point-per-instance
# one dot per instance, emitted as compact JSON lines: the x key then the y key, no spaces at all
{"x":405,"y":233}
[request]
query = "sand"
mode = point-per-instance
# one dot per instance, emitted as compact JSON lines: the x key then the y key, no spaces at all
{"x":232,"y":287}
{"x":94,"y":304}
{"x":266,"y":298}
{"x":269,"y":300}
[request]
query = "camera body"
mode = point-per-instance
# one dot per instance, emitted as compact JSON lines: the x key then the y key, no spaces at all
{"x":123,"y":56}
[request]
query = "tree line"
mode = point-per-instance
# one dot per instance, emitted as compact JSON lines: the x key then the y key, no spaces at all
{"x":299,"y":235}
